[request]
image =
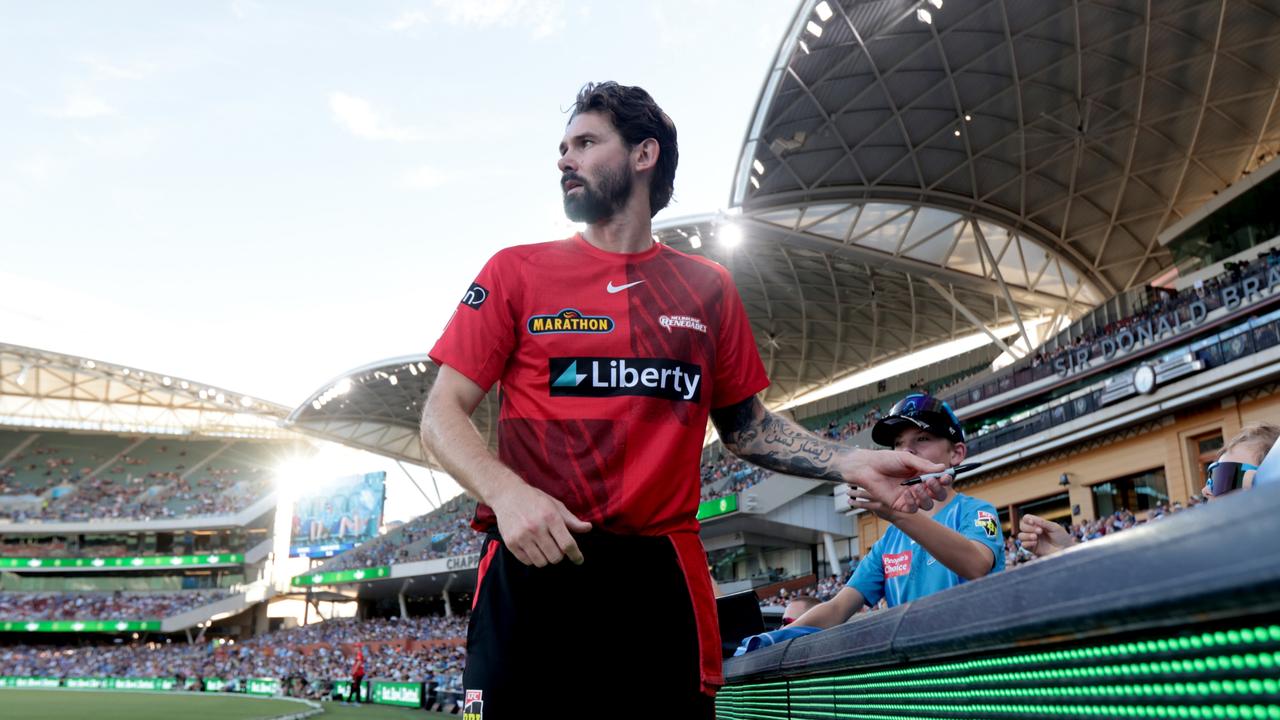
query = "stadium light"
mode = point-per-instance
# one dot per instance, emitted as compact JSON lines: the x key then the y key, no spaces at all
{"x":730,"y":235}
{"x":758,"y":166}
{"x":924,"y":16}
{"x":804,"y":46}
{"x":393,"y":380}
{"x":824,"y":10}
{"x":937,"y":4}
{"x":814,"y":29}
{"x":695,"y":241}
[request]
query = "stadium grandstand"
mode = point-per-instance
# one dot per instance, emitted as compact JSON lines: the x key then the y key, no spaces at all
{"x":1082,"y":193}
{"x":916,"y":174}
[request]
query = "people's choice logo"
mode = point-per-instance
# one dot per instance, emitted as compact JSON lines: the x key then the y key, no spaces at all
{"x":897,"y":564}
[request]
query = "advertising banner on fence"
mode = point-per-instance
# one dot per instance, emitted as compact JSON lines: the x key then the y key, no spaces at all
{"x":9,"y":681}
{"x":262,"y":686}
{"x":398,"y":693}
{"x":79,"y":625}
{"x":342,"y":688}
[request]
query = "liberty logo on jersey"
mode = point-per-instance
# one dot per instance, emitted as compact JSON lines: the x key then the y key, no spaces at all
{"x":570,"y":321}
{"x":612,"y":377}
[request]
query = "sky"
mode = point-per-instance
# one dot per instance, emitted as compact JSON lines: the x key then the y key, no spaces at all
{"x":264,"y":195}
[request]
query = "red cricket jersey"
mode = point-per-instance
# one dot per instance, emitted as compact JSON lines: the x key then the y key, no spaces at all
{"x":609,"y":365}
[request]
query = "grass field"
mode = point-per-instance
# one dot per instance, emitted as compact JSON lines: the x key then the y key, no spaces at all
{"x":122,"y":705}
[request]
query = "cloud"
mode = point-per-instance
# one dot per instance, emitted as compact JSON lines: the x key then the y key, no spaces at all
{"x":119,"y":71}
{"x":423,"y":177}
{"x":410,"y":19}
{"x":79,"y":106}
{"x":543,"y":17}
{"x":358,"y":117}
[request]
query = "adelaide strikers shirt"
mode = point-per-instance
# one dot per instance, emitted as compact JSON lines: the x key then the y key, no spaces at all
{"x":899,"y":570}
{"x":608,"y":365}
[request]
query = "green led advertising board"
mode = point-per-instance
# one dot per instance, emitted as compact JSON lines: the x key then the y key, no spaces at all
{"x":120,"y":563}
{"x":719,"y":506}
{"x":343,"y":576}
{"x":398,"y":693}
{"x":107,"y":626}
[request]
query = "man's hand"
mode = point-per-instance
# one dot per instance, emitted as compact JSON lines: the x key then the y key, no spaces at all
{"x":1043,"y":537}
{"x":876,"y":477}
{"x":536,"y":527}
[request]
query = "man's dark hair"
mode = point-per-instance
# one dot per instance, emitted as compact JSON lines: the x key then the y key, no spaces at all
{"x":637,"y":118}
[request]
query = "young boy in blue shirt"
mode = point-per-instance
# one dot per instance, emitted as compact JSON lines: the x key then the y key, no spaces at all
{"x":931,"y":550}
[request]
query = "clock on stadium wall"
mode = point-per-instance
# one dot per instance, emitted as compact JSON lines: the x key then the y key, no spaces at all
{"x":1144,"y":379}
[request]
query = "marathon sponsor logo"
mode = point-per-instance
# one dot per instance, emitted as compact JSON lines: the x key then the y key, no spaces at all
{"x":681,"y":321}
{"x":613,"y":377}
{"x":475,"y":297}
{"x":896,"y":564}
{"x":473,"y":707}
{"x":463,"y":562}
{"x":570,"y":321}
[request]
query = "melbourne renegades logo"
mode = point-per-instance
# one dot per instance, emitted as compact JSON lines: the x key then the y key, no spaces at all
{"x":475,"y":297}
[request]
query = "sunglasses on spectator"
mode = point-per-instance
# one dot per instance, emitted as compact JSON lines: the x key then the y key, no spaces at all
{"x":1223,"y":477}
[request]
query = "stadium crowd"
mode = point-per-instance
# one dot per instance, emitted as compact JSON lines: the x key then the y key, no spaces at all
{"x":443,"y":532}
{"x":59,"y":549}
{"x":1116,"y":522}
{"x":118,"y":605}
{"x":305,"y":659}
{"x":1164,"y":301}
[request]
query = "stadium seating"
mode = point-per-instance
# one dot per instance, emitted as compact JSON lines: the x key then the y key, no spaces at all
{"x":443,"y":532}
{"x":21,"y":606}
{"x":80,"y":477}
{"x":423,"y":649}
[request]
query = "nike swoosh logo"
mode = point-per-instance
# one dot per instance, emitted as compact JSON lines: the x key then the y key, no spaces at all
{"x":619,"y":288}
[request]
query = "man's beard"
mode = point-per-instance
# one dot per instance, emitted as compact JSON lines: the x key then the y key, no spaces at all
{"x":591,"y":206}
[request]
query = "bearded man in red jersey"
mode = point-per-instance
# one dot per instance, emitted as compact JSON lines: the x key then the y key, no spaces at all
{"x":611,"y":351}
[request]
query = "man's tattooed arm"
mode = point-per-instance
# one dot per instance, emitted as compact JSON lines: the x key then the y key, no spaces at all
{"x":771,"y":441}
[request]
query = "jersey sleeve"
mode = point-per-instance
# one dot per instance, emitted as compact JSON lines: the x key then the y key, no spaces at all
{"x":868,"y":577}
{"x":979,"y":521}
{"x":480,"y":336}
{"x":739,"y":373}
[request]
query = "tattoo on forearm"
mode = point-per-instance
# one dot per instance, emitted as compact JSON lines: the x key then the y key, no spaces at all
{"x":775,"y":443}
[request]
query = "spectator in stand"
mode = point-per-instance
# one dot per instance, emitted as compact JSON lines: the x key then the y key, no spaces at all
{"x":956,"y":541}
{"x":1238,"y":463}
{"x":1234,"y":469}
{"x":797,"y":607}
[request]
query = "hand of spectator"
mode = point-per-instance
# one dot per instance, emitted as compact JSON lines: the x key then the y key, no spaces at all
{"x":755,"y":642}
{"x":1043,"y":537}
{"x":880,"y":474}
{"x":536,"y":527}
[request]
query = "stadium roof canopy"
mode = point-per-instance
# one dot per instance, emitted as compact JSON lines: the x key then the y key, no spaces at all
{"x":907,"y":163}
{"x":377,"y":408}
{"x":42,"y":389}
{"x":915,"y":170}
